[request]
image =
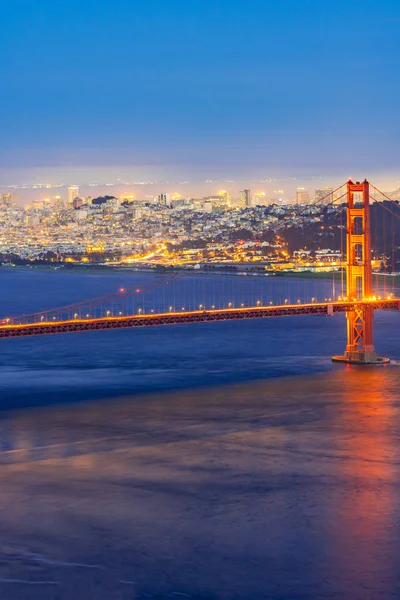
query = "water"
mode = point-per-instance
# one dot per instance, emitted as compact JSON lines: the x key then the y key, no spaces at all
{"x":262,"y":470}
{"x":80,"y":366}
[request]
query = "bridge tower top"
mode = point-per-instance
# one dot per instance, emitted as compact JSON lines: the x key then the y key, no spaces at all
{"x":359,"y":270}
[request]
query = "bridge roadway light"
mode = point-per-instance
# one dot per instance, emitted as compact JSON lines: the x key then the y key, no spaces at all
{"x":286,"y":301}
{"x":75,"y":315}
{"x":139,"y":311}
{"x":258,"y":302}
{"x":170,"y":309}
{"x":312,"y":299}
{"x":200,"y":306}
{"x":230,"y":305}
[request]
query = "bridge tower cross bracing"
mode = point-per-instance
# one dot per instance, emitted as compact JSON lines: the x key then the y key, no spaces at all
{"x":360,"y":346}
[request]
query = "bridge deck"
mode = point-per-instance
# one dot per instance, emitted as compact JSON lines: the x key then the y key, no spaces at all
{"x":12,"y":330}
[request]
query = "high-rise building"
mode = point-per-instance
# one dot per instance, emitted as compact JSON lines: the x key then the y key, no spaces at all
{"x":259,"y":199}
{"x":164,"y":199}
{"x":245,"y":198}
{"x":225,"y":197}
{"x":8,"y":200}
{"x":73,"y":192}
{"x":302,"y":196}
{"x":77,"y":203}
{"x":325,"y":195}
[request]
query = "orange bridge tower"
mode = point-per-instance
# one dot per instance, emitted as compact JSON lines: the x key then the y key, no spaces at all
{"x":360,"y":346}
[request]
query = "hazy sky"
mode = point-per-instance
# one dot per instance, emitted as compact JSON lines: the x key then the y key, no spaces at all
{"x":255,"y":86}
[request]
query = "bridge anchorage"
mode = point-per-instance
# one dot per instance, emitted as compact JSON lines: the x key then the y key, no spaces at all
{"x":360,"y":348}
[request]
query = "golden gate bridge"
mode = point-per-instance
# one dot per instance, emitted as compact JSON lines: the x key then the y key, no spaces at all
{"x":151,"y":305}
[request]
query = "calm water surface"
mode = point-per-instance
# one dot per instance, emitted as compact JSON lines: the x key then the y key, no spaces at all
{"x":270,"y":474}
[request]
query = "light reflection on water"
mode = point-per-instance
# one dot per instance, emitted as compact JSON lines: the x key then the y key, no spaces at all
{"x":281,"y":488}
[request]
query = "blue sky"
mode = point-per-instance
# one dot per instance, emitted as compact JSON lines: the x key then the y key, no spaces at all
{"x":289,"y":85}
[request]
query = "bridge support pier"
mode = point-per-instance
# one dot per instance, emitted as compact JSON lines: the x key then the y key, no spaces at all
{"x":360,"y":348}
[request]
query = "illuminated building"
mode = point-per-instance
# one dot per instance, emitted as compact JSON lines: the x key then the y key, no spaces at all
{"x":259,"y":199}
{"x":326,"y":194}
{"x":92,"y":249}
{"x":302,"y":196}
{"x":73,"y":192}
{"x":164,"y":199}
{"x":8,"y":200}
{"x":225,"y":197}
